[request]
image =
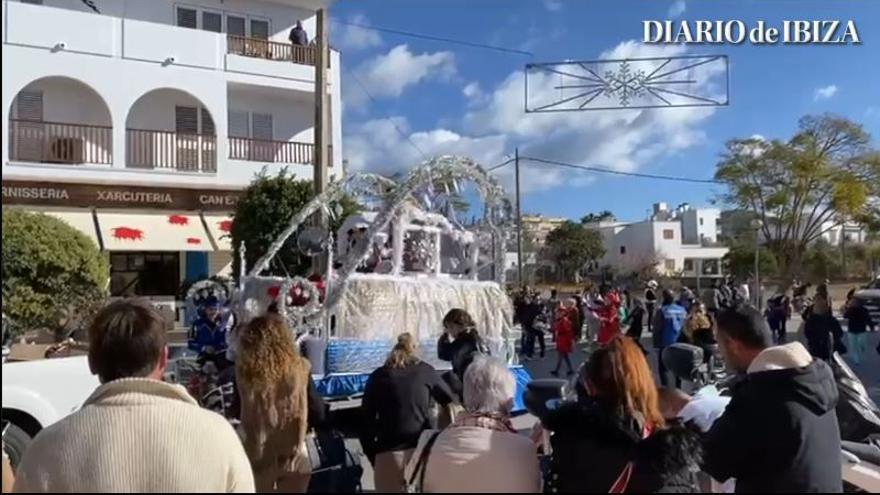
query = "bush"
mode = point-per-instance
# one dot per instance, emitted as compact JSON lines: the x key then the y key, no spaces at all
{"x":53,"y":275}
{"x":264,"y":211}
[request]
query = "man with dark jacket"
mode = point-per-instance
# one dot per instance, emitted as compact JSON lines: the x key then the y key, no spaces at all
{"x":779,"y":434}
{"x":298,"y":35}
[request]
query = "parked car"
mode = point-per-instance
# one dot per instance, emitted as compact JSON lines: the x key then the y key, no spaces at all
{"x":870,"y":295}
{"x":38,"y":393}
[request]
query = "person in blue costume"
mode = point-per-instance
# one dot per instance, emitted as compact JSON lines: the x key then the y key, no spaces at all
{"x":208,"y":333}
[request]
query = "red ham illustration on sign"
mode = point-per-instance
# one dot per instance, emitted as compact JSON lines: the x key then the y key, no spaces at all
{"x":225,"y":225}
{"x":178,"y":220}
{"x":128,"y":234}
{"x":193,"y":240}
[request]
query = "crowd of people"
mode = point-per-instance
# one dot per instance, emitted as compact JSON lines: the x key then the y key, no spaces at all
{"x":425,"y":431}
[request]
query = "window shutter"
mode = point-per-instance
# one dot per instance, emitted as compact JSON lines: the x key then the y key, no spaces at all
{"x":207,"y":123}
{"x":186,"y":120}
{"x":238,"y":123}
{"x":235,"y":25}
{"x":262,"y":126}
{"x":212,"y":21}
{"x":187,"y":17}
{"x":29,"y":105}
{"x":259,"y":29}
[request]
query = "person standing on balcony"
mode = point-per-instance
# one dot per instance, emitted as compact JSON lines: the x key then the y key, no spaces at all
{"x":298,"y":35}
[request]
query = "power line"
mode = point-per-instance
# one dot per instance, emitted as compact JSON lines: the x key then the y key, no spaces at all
{"x":435,"y":38}
{"x":502,"y":164}
{"x":386,"y":117}
{"x":619,"y":172}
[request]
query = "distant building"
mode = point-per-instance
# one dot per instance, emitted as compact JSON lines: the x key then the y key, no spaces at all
{"x":737,"y":224}
{"x":538,"y":227}
{"x":671,"y":240}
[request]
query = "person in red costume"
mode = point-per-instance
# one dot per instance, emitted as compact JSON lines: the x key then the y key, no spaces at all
{"x":563,"y":328}
{"x":609,"y":316}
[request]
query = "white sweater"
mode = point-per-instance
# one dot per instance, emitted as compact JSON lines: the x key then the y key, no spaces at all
{"x":137,"y":435}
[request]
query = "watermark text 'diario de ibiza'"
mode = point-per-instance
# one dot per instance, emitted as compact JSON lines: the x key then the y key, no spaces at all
{"x":759,"y":33}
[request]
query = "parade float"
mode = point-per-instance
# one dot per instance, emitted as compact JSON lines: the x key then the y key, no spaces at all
{"x":399,"y":266}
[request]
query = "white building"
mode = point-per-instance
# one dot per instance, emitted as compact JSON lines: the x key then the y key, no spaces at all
{"x":698,"y":225}
{"x":632,"y":247}
{"x":141,"y":124}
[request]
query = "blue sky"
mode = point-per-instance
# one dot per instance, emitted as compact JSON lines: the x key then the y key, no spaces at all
{"x":452,"y":99}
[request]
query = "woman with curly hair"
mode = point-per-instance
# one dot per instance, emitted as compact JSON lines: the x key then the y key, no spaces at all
{"x":278,"y":403}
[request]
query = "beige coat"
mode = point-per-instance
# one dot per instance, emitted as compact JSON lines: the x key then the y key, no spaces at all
{"x":137,"y":435}
{"x":478,"y":460}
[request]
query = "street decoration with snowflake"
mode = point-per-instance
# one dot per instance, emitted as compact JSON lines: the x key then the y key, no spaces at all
{"x":660,"y":82}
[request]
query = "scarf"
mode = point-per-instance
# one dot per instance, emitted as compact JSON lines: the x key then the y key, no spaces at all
{"x":490,"y":421}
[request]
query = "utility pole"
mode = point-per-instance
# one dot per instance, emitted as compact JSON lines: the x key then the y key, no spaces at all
{"x":519,"y":240}
{"x":843,"y":247}
{"x":321,"y":156}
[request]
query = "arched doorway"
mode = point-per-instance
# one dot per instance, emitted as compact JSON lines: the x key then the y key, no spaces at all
{"x":60,"y":120}
{"x":169,"y":129}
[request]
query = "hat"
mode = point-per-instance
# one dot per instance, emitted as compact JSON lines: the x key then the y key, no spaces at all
{"x":652,"y":284}
{"x":211,"y":302}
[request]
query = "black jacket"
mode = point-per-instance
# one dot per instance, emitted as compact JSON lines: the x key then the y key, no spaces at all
{"x":824,"y":335}
{"x":460,"y":352}
{"x":858,"y":319}
{"x":396,"y":406}
{"x":591,"y":446}
{"x":779,"y":433}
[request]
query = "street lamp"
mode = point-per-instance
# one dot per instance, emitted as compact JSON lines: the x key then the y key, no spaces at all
{"x":757,"y":224}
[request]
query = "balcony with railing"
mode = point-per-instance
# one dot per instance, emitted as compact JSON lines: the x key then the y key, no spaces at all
{"x":270,"y":151}
{"x":61,"y":143}
{"x":171,"y":151}
{"x":271,"y":50}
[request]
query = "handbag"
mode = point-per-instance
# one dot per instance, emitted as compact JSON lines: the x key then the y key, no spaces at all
{"x":417,"y":477}
{"x":622,"y":481}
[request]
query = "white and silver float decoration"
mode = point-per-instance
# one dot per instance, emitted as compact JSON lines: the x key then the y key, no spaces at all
{"x":415,"y":282}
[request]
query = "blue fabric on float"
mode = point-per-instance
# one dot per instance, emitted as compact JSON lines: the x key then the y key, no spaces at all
{"x":350,"y":384}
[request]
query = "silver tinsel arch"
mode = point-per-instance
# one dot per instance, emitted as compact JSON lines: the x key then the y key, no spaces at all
{"x":398,"y":200}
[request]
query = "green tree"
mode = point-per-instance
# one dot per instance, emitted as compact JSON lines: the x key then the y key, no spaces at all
{"x":740,"y":261}
{"x":801,"y":187}
{"x":571,"y":247}
{"x":265,"y":210}
{"x":602,"y":216}
{"x":53,"y":275}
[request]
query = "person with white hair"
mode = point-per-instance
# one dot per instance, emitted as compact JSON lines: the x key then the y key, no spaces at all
{"x":480,"y":452}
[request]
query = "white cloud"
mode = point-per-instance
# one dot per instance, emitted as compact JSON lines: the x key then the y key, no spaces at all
{"x":676,"y":9}
{"x":553,"y":5}
{"x":389,"y":74}
{"x":624,"y":140}
{"x":825,"y":93}
{"x":351,"y":38}
{"x":474,"y":94}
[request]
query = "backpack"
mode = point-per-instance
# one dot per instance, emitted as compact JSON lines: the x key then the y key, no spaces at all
{"x":335,"y":469}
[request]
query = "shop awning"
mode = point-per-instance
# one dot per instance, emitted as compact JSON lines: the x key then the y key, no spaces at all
{"x":80,"y":219}
{"x":220,"y":228}
{"x":157,"y":231}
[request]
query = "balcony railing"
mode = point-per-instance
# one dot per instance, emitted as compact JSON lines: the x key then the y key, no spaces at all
{"x":56,"y":142}
{"x":261,"y":150}
{"x":272,"y":50}
{"x":168,"y":150}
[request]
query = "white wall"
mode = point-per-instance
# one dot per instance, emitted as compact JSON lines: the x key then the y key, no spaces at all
{"x":69,"y":101}
{"x":122,"y":80}
{"x":154,"y":111}
{"x":81,"y":32}
{"x":292,"y":115}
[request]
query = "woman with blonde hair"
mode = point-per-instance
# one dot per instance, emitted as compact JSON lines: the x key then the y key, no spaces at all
{"x":396,"y":409}
{"x":615,"y":439}
{"x":278,"y":403}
